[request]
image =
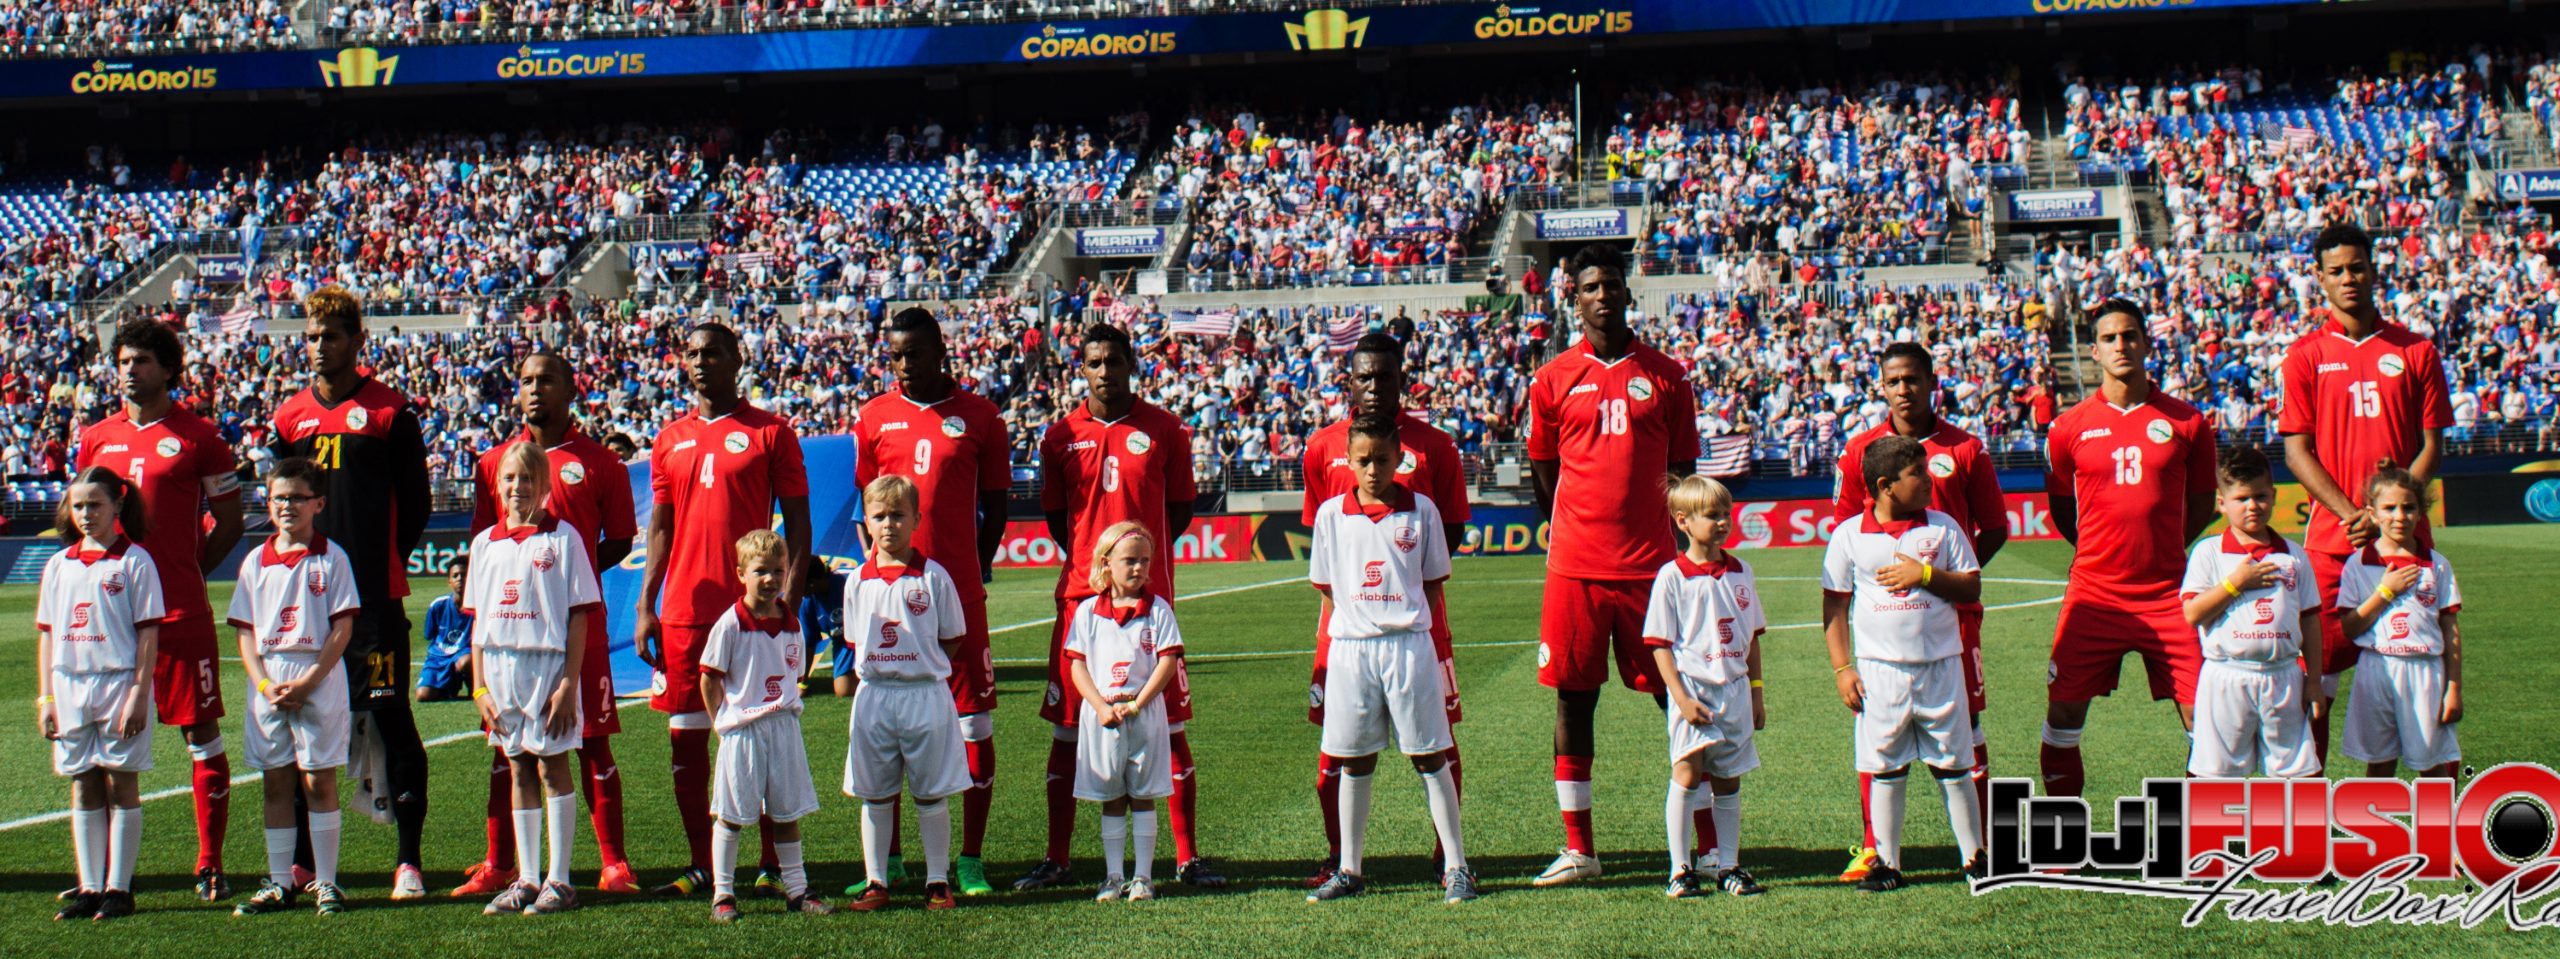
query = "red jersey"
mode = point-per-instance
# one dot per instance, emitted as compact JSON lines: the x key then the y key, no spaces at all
{"x":1614,"y":427}
{"x":1962,"y":482}
{"x":720,"y":475}
{"x":954,"y":449}
{"x":180,"y":463}
{"x":590,"y":490}
{"x":1102,"y":472}
{"x":2131,"y":471}
{"x":1431,"y":467}
{"x":2362,"y":401}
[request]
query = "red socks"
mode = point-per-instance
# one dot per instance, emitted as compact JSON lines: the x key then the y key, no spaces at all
{"x":770,"y":862}
{"x":602,"y":782}
{"x":689,"y":764}
{"x":1062,"y":799}
{"x":1329,"y":801}
{"x":213,"y":808}
{"x":2063,"y":774}
{"x":1573,"y":797}
{"x":502,"y":830}
{"x":1866,"y":813}
{"x":1186,"y":792}
{"x":982,"y":788}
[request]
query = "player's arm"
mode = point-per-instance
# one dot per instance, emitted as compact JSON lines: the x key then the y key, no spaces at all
{"x":2312,"y":652}
{"x":1759,"y":709}
{"x":2059,"y":498}
{"x":1157,"y":679}
{"x":1542,"y":485}
{"x":137,"y":702}
{"x":2374,"y":601}
{"x":479,"y":690}
{"x":1990,"y":510}
{"x":409,"y":488}
{"x":259,"y":681}
{"x":1954,"y":587}
{"x":2206,"y":605}
{"x":228,"y":522}
{"x":653,"y":574}
{"x":342,"y":627}
{"x":613,"y":543}
{"x":2430,"y":455}
{"x":1835,"y":639}
{"x":2302,"y":456}
{"x":795,"y":537}
{"x":610,"y":553}
{"x":713,"y":678}
{"x":2450,"y":621}
{"x":1680,"y":703}
{"x":1177,"y":518}
{"x":1083,"y":675}
{"x":995,"y":508}
{"x":44,"y":681}
{"x":2065,"y":512}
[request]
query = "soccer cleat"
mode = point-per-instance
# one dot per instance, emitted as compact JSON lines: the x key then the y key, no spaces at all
{"x":512,"y":901}
{"x":806,"y":905}
{"x":937,"y":895}
{"x":1882,"y":878}
{"x":897,"y":871}
{"x":1324,"y":873}
{"x":768,"y":886}
{"x":482,"y":880}
{"x":617,"y":879}
{"x":1343,"y":885}
{"x":1684,"y":886}
{"x":969,"y":875}
{"x":1042,"y":876}
{"x":211,"y":886}
{"x":869,"y":898}
{"x":114,"y":904}
{"x":268,"y":898}
{"x":1569,"y":866}
{"x":1111,"y":888}
{"x":1459,"y":884}
{"x":1862,"y":860}
{"x":1199,"y":874}
{"x":685,"y":883}
{"x":327,"y":899}
{"x":1736,"y":882}
{"x":81,"y":904}
{"x":407,"y":882}
{"x":1140,"y":889}
{"x":557,"y":897}
{"x":724,"y":909}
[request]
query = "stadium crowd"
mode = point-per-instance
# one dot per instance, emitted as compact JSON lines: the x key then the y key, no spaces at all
{"x":72,"y":28}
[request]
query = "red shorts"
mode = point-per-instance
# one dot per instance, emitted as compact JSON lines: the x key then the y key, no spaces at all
{"x":1587,"y":621}
{"x":598,"y":714}
{"x":1064,"y":706}
{"x":1969,"y":628}
{"x":186,"y":676}
{"x":973,"y":663}
{"x":2091,"y":641}
{"x":1440,"y":644}
{"x":2337,"y":652}
{"x":677,"y":686}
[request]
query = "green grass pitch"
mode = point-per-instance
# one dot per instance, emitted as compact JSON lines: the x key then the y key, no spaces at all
{"x":1249,"y":661}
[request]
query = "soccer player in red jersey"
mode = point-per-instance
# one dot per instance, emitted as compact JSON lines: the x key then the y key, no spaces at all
{"x":365,"y":438}
{"x":2131,"y":480}
{"x":591,"y":491}
{"x":2360,"y":393}
{"x":1962,"y":484}
{"x":184,"y":470}
{"x":952,"y":444}
{"x":1109,"y":459}
{"x":1374,"y":380}
{"x":1610,"y":421}
{"x":717,"y":473}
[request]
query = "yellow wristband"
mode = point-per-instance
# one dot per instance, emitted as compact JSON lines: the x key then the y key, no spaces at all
{"x":44,"y":700}
{"x":1925,"y":572}
{"x":2228,"y":588}
{"x":2385,"y":592}
{"x":479,"y":693}
{"x":263,"y":683}
{"x":1755,"y":684}
{"x":1843,"y":667}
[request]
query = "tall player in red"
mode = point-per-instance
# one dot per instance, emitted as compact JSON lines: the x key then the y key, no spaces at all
{"x":952,"y":443}
{"x":717,"y":473}
{"x":184,"y":470}
{"x":1962,"y":484}
{"x":1609,"y":422}
{"x":2131,"y":481}
{"x":590,"y":490}
{"x":2360,"y":393}
{"x":1374,"y":381}
{"x":1112,"y":458}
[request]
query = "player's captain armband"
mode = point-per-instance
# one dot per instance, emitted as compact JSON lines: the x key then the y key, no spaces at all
{"x":220,"y":485}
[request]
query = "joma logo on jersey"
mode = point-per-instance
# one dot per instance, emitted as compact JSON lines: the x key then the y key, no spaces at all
{"x":1082,"y":445}
{"x":1373,"y":573}
{"x":306,"y":425}
{"x":681,"y":446}
{"x":893,"y":426}
{"x":112,"y":448}
{"x":918,"y":601}
{"x":2333,"y":368}
{"x":1584,"y":388}
{"x":2098,"y":433}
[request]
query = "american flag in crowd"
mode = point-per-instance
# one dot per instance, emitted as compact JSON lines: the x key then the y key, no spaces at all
{"x":1202,"y":324}
{"x":2299,"y":138}
{"x":242,"y":319}
{"x":1345,"y":332}
{"x":749,"y":261}
{"x":1727,"y":455}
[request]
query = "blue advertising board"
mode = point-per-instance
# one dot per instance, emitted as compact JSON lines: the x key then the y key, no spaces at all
{"x":2055,"y":205}
{"x":1101,"y":241}
{"x":1583,"y":224}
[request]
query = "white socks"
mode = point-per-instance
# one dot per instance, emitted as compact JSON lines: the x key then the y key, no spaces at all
{"x":933,"y":820}
{"x":1115,"y":841}
{"x":559,"y":815}
{"x":89,"y":847}
{"x":1678,"y":827}
{"x":324,"y":846}
{"x":528,"y":822}
{"x":1354,"y":801}
{"x":125,"y":846}
{"x":1142,"y":835}
{"x":795,"y":873}
{"x":1443,"y":795}
{"x":878,"y":828}
{"x":1729,"y":830}
{"x":1964,"y":812}
{"x":724,"y":861}
{"x":279,"y":856}
{"x":1885,"y":797}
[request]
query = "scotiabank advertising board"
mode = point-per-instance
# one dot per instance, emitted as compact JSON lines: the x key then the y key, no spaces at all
{"x":1808,"y":522}
{"x":1212,"y":539}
